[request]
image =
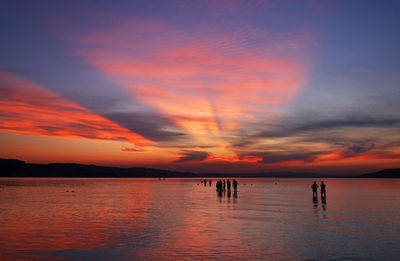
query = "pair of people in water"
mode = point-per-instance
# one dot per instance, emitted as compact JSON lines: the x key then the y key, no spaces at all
{"x":314,"y":187}
{"x":221,"y":185}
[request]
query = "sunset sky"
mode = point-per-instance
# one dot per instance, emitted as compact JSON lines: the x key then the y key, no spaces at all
{"x":202,"y":86}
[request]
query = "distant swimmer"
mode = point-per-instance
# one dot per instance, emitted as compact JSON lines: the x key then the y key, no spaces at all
{"x":314,"y":187}
{"x":323,"y":191}
{"x":228,"y":185}
{"x":234,"y":183}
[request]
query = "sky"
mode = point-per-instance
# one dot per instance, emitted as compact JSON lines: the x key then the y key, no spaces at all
{"x":202,"y":86}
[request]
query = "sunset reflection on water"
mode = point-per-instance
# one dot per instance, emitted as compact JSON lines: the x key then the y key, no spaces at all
{"x":128,"y":219}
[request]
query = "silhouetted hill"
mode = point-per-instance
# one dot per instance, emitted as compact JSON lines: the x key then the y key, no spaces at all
{"x":18,"y":168}
{"x":386,"y":173}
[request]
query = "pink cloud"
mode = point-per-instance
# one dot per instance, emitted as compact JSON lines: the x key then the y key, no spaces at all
{"x":209,"y":82}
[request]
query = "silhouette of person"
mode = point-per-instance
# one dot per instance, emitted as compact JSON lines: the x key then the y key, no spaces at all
{"x":219,"y":186}
{"x":234,"y":183}
{"x":323,"y":191}
{"x":314,"y":187}
{"x":205,"y":182}
{"x":224,"y":185}
{"x":210,"y":182}
{"x":228,"y":185}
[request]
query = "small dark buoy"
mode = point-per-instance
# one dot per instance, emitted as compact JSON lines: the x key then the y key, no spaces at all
{"x":67,"y":191}
{"x":72,"y":191}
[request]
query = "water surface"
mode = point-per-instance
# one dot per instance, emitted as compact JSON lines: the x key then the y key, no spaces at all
{"x":151,"y":219}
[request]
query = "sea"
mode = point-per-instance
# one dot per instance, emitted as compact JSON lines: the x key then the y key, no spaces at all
{"x":183,"y":219}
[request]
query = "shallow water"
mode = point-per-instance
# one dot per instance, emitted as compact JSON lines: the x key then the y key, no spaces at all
{"x":175,"y":219}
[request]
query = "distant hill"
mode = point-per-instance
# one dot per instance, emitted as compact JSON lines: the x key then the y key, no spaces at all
{"x":386,"y":173}
{"x":18,"y":168}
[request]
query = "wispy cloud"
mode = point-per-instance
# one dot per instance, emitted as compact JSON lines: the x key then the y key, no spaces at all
{"x":27,"y":108}
{"x":211,"y":84}
{"x":188,"y":155}
{"x":295,"y":127}
{"x":278,"y":157}
{"x":130,"y":149}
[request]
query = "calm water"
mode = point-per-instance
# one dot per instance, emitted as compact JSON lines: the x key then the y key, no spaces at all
{"x":175,"y":219}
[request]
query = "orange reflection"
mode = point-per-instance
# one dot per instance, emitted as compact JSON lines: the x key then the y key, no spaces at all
{"x":79,"y":220}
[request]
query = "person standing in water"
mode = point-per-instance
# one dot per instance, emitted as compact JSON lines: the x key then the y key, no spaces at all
{"x":210,"y":182}
{"x":323,"y":191}
{"x":219,"y":186}
{"x":228,"y":185}
{"x":234,"y":183}
{"x":314,"y":187}
{"x":224,"y":185}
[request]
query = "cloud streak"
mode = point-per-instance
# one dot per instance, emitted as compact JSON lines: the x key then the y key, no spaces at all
{"x":128,"y":149}
{"x":211,"y":84}
{"x":353,"y":121}
{"x":27,"y":108}
{"x":188,"y":155}
{"x":278,"y":157}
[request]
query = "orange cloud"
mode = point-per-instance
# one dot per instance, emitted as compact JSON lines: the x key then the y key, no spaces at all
{"x":364,"y":156}
{"x":30,"y":109}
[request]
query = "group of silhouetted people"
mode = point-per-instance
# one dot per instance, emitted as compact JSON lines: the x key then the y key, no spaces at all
{"x":221,"y":185}
{"x":314,"y":187}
